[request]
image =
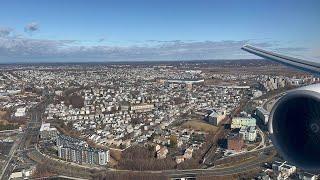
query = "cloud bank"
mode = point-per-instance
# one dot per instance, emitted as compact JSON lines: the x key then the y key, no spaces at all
{"x":26,"y":49}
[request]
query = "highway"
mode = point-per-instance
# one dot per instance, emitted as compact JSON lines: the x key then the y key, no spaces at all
{"x":221,"y":171}
{"x":268,"y":104}
{"x":26,"y":139}
{"x":214,"y":171}
{"x":6,"y":171}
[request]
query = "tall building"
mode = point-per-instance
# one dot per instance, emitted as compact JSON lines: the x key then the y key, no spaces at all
{"x":75,"y":150}
{"x":262,"y":114}
{"x":248,"y":133}
{"x":63,"y":153}
{"x":103,"y":157}
{"x":235,"y":142}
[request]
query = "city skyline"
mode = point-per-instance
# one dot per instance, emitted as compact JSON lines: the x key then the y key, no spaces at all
{"x":78,"y":31}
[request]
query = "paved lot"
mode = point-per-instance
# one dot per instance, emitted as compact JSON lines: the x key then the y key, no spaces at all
{"x":5,"y":149}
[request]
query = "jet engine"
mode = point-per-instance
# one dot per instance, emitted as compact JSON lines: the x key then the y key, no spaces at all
{"x":294,"y":126}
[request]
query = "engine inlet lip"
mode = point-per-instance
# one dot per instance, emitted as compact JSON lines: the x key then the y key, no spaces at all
{"x":299,"y":93}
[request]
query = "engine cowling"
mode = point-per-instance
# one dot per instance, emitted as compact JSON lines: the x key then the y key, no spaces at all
{"x":294,"y":126}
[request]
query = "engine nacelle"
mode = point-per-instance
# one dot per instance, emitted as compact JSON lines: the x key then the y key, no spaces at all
{"x":294,"y":126}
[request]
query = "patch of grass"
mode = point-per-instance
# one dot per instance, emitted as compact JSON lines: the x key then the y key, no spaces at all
{"x":2,"y":113}
{"x":5,"y":124}
{"x":3,"y":116}
{"x":200,"y":126}
{"x":8,"y":126}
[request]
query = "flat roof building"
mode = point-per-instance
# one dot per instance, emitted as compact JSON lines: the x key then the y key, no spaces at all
{"x":239,"y":122}
{"x":47,"y":132}
{"x":262,"y":114}
{"x":20,"y":112}
{"x":235,"y":142}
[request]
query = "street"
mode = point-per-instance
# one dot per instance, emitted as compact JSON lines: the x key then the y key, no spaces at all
{"x":26,"y":139}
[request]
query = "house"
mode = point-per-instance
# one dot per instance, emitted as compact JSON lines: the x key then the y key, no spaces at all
{"x":283,"y":169}
{"x":179,"y":159}
{"x":308,"y":176}
{"x":157,"y":147}
{"x":188,"y":153}
{"x":179,"y":143}
{"x":162,"y":153}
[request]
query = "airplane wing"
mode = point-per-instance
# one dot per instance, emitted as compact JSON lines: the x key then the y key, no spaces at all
{"x":304,"y":65}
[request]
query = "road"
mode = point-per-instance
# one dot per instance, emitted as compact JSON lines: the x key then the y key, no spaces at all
{"x":268,"y":104}
{"x":25,"y":140}
{"x":214,"y":171}
{"x":5,"y":173}
{"x":263,"y":139}
{"x":220,"y":171}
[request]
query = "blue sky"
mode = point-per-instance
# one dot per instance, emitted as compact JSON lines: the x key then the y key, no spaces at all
{"x":79,"y":30}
